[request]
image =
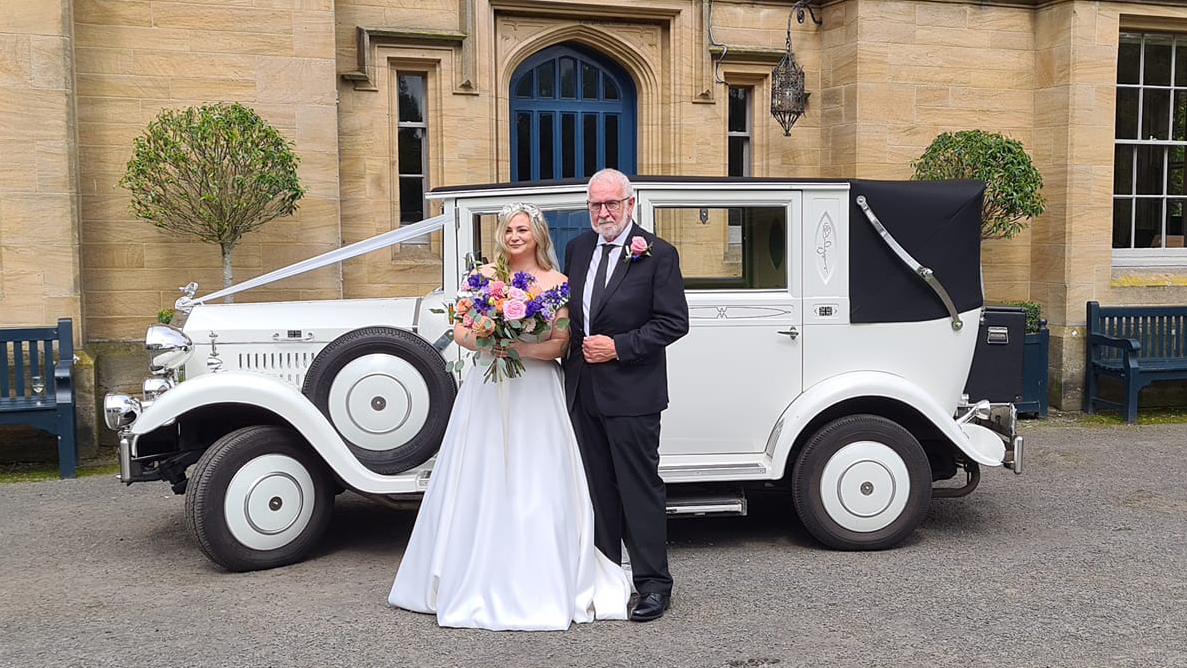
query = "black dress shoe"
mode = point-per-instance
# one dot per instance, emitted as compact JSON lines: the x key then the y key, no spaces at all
{"x":650,"y":606}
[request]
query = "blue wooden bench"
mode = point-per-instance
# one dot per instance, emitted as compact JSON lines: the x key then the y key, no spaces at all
{"x":1139,"y":345}
{"x":27,"y":354}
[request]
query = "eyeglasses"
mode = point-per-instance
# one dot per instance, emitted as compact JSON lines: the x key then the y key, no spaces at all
{"x":613,"y":206}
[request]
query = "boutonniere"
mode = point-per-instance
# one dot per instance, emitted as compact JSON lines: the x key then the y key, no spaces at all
{"x":637,"y":248}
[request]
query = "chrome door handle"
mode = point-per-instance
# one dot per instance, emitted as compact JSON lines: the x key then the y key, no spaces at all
{"x":790,"y":331}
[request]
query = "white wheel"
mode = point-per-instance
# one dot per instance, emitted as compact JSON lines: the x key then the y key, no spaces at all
{"x":861,"y":482}
{"x":387,"y":393}
{"x":377,"y":400}
{"x":269,"y":502}
{"x":864,"y":486}
{"x":258,"y":498}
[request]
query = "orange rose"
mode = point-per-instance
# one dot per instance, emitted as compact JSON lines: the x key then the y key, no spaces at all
{"x":484,"y":326}
{"x":464,"y":305}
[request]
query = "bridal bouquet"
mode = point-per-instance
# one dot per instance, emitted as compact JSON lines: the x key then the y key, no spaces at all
{"x":502,"y":309}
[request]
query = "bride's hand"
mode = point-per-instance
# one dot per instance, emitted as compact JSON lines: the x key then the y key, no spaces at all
{"x":501,"y":351}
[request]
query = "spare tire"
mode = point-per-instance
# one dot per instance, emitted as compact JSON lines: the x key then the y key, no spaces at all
{"x":387,"y":393}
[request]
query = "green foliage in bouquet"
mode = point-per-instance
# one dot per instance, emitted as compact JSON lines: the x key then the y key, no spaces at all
{"x":500,"y":310}
{"x":215,"y":172}
{"x":1012,"y":183}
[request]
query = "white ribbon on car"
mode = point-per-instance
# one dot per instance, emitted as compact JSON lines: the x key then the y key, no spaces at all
{"x":345,"y":253}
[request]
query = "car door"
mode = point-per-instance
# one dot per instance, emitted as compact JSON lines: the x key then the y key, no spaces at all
{"x":740,"y":365}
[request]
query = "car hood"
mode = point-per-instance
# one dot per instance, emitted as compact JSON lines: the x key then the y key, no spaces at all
{"x":308,"y":321}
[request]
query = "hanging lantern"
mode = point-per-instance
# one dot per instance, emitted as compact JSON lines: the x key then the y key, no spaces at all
{"x":789,"y":100}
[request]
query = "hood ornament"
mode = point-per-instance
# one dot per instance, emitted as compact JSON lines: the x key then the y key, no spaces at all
{"x":213,"y":363}
{"x":185,"y":303}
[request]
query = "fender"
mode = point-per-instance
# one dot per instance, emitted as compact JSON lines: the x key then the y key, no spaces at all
{"x":970,"y":440}
{"x":285,"y":401}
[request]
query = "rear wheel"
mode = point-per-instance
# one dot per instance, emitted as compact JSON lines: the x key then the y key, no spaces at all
{"x":861,"y":483}
{"x":258,"y":499}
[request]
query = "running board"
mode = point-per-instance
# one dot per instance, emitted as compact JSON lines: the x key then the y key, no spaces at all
{"x":700,"y":506}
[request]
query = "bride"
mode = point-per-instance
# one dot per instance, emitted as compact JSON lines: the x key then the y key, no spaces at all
{"x":505,"y":535}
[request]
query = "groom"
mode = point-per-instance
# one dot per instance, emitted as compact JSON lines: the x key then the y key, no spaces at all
{"x":627,"y":305}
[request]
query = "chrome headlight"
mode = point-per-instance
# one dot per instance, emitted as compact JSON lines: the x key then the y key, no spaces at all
{"x":155,"y":387}
{"x":168,"y":349}
{"x":120,"y":410}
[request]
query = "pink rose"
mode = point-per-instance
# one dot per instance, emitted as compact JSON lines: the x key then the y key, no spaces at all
{"x":468,"y":321}
{"x":514,"y":309}
{"x":517,"y":294}
{"x":497,"y":288}
{"x":638,"y":245}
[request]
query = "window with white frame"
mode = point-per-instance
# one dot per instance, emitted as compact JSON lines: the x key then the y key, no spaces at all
{"x":412,"y":145}
{"x":1151,"y":141}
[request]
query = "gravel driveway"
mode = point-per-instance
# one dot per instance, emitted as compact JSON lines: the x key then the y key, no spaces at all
{"x":1081,"y":561}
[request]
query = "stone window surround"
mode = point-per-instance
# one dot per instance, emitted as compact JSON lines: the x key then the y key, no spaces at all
{"x":756,"y":75}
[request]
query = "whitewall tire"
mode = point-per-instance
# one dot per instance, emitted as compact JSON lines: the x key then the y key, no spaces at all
{"x":387,"y":393}
{"x":861,"y":482}
{"x":258,"y":498}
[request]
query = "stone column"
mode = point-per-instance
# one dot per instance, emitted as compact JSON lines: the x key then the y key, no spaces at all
{"x":1076,"y":58}
{"x":39,"y":266}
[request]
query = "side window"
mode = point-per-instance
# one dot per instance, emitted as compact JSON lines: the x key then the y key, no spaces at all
{"x":728,"y":248}
{"x":484,"y":231}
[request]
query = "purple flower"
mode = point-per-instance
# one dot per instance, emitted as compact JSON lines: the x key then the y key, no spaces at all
{"x":482,"y":303}
{"x":522,"y":280}
{"x":476,"y":280}
{"x":556,"y":297}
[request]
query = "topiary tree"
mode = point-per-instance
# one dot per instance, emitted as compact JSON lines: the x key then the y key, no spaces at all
{"x":1012,"y":183}
{"x":215,"y":172}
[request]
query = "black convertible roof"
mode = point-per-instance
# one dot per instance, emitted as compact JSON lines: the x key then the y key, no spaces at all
{"x":939,"y":224}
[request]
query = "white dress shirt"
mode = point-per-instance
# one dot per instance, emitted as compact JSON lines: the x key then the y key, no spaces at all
{"x":590,"y":274}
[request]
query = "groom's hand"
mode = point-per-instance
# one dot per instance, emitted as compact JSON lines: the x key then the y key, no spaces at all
{"x":598,"y":348}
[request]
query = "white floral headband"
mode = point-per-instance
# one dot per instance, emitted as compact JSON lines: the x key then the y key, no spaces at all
{"x":512,"y":208}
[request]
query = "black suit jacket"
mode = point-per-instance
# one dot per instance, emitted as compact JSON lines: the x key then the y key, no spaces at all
{"x":643,"y":309}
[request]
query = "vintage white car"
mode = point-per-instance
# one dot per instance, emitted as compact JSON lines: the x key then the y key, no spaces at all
{"x":832,"y":328}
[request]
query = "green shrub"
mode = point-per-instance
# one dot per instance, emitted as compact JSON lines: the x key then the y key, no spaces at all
{"x":165,"y":316}
{"x":1012,"y":183}
{"x":1034,"y":312}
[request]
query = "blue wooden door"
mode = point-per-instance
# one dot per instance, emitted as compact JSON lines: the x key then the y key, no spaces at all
{"x":572,"y":113}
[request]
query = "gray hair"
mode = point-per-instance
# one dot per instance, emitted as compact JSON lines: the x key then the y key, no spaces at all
{"x":614,"y":176}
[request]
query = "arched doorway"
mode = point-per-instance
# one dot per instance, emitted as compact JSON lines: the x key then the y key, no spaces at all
{"x":572,"y":113}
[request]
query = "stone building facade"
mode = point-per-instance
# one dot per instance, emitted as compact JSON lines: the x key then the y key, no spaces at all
{"x":386,"y":97}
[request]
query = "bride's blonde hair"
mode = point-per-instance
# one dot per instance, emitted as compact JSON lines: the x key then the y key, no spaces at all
{"x":539,"y":227}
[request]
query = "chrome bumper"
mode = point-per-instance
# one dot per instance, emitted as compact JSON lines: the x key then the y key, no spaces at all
{"x":1003,"y":420}
{"x":131,"y":469}
{"x":1013,"y":458}
{"x":126,"y":457}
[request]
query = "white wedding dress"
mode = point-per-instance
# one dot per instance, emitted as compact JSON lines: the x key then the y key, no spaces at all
{"x":505,"y":535}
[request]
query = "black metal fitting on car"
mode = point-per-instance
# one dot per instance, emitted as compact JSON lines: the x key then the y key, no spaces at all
{"x":973,"y":471}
